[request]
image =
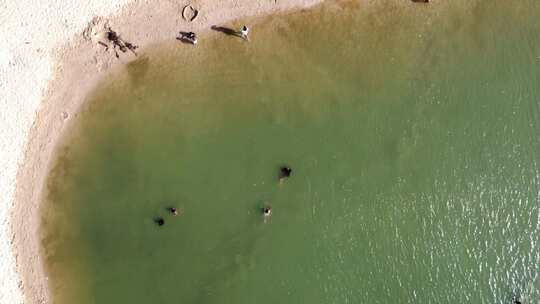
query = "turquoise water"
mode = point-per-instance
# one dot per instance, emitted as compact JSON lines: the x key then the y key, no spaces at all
{"x":411,"y":131}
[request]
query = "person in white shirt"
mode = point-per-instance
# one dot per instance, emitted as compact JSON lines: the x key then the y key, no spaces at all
{"x":244,"y":33}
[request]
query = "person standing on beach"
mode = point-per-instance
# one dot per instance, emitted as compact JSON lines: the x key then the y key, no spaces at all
{"x":244,"y":33}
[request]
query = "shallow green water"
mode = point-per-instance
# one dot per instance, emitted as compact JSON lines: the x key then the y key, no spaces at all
{"x":413,"y":136}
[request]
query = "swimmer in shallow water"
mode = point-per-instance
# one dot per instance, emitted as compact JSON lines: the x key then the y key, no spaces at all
{"x":284,"y":173}
{"x":160,"y":221}
{"x":267,"y":211}
{"x":173,"y":211}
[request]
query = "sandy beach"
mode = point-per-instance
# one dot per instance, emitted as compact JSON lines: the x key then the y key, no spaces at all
{"x":50,"y":59}
{"x":414,"y":176}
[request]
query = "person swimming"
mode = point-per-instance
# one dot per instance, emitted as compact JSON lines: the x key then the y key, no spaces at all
{"x":267,"y":211}
{"x":160,"y":221}
{"x":173,"y":211}
{"x":284,"y":173}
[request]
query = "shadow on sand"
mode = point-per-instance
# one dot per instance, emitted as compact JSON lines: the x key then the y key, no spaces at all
{"x":226,"y":30}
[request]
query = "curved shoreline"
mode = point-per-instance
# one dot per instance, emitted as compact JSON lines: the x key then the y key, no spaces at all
{"x":68,"y":76}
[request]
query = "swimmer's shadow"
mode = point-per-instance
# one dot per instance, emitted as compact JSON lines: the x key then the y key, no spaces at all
{"x":226,"y":31}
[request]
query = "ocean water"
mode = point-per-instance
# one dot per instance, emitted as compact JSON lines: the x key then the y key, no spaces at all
{"x":413,"y":135}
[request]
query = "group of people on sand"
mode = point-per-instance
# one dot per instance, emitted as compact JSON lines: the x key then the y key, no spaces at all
{"x":284,"y":173}
{"x":191,"y":37}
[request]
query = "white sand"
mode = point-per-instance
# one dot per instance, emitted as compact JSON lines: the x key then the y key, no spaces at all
{"x":32,"y":33}
{"x":29,"y":32}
